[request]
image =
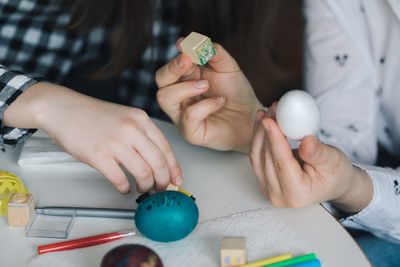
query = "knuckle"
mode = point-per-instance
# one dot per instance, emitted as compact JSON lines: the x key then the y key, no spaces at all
{"x":158,"y":77}
{"x":141,"y":115}
{"x":171,"y":67}
{"x":160,"y":162}
{"x":279,"y":165}
{"x":190,"y":115}
{"x":100,"y":153}
{"x":253,"y":155}
{"x":160,"y":96}
{"x":125,"y":128}
{"x":217,"y":46}
{"x":144,"y":173}
{"x":167,"y":149}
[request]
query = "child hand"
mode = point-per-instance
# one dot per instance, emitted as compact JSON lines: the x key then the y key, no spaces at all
{"x":104,"y":135}
{"x":320,"y":173}
{"x":212,"y":106}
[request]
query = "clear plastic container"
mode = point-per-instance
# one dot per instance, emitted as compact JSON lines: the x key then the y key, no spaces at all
{"x":50,"y":226}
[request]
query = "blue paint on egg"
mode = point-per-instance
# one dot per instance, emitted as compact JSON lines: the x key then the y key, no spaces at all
{"x":167,"y":216}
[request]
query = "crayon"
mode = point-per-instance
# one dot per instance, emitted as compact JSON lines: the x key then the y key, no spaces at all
{"x":312,"y":263}
{"x":268,"y":261}
{"x":292,"y":261}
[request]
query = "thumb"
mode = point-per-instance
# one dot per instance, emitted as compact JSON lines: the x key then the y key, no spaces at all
{"x":174,"y":70}
{"x":222,"y":61}
{"x":313,"y":152}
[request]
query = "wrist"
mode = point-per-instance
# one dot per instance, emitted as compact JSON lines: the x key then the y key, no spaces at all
{"x":358,"y":194}
{"x":246,"y":145}
{"x":42,"y":105}
{"x":22,"y":111}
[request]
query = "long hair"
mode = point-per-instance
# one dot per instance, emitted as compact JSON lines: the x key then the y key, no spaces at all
{"x":248,"y":29}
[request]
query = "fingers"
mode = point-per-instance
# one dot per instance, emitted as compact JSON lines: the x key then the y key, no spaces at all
{"x":171,"y":97}
{"x":284,"y":172}
{"x":174,"y":70}
{"x":178,"y":44}
{"x":154,"y":157}
{"x":284,"y":160}
{"x":112,"y":171}
{"x":195,"y":115}
{"x":175,"y":171}
{"x":257,"y":158}
{"x":313,"y":152}
{"x":138,"y":167}
{"x":222,"y":61}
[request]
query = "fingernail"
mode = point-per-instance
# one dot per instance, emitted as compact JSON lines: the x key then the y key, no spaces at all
{"x":259,"y":115}
{"x":180,"y":63}
{"x":127,"y":191}
{"x":220,"y":99}
{"x":201,"y":84}
{"x":268,"y":112}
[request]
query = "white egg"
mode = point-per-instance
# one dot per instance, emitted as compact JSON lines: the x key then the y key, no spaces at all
{"x":297,"y":115}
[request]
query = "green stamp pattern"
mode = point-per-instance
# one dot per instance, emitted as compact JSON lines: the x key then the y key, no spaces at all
{"x":205,"y":52}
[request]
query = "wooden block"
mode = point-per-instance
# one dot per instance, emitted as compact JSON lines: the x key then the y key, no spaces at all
{"x":20,"y":209}
{"x":233,"y":251}
{"x":172,"y":187}
{"x":198,"y":47}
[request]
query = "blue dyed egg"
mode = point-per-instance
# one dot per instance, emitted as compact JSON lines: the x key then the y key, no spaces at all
{"x":167,"y":216}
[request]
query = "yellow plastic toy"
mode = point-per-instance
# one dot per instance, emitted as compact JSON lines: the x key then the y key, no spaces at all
{"x":9,"y":183}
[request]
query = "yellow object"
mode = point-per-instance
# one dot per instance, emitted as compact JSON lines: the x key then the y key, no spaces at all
{"x":268,"y":261}
{"x":173,"y":187}
{"x":180,"y":189}
{"x":9,"y":183}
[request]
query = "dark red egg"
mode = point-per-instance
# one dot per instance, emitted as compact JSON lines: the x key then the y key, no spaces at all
{"x":132,"y":255}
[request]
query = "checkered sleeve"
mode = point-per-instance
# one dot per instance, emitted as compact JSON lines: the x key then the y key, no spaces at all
{"x":12,"y":85}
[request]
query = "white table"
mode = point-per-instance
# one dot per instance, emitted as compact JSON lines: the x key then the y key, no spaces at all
{"x":223,"y":184}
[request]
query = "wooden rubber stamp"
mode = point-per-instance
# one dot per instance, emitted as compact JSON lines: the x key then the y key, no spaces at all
{"x":198,"y":47}
{"x":20,"y":209}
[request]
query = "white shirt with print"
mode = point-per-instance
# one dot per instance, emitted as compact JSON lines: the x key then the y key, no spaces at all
{"x":353,"y":70}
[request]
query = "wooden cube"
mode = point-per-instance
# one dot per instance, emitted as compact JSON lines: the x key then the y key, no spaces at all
{"x":198,"y":47}
{"x":172,"y":187}
{"x":20,"y":209}
{"x":233,"y":251}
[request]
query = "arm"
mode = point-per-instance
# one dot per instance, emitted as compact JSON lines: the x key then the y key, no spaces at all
{"x":104,"y":135}
{"x":338,"y":74}
{"x":319,"y":173}
{"x":12,"y":85}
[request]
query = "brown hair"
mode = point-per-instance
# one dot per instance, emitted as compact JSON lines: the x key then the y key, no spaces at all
{"x":248,"y":29}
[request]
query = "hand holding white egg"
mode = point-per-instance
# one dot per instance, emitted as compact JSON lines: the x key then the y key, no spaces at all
{"x":297,"y":115}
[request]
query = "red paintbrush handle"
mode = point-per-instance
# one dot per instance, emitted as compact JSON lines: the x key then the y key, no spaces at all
{"x":80,"y":243}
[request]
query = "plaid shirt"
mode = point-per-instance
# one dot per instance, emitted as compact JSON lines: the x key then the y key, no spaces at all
{"x":34,"y":39}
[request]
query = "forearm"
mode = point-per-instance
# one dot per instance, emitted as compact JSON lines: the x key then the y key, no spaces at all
{"x":40,"y":104}
{"x":358,"y":193}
